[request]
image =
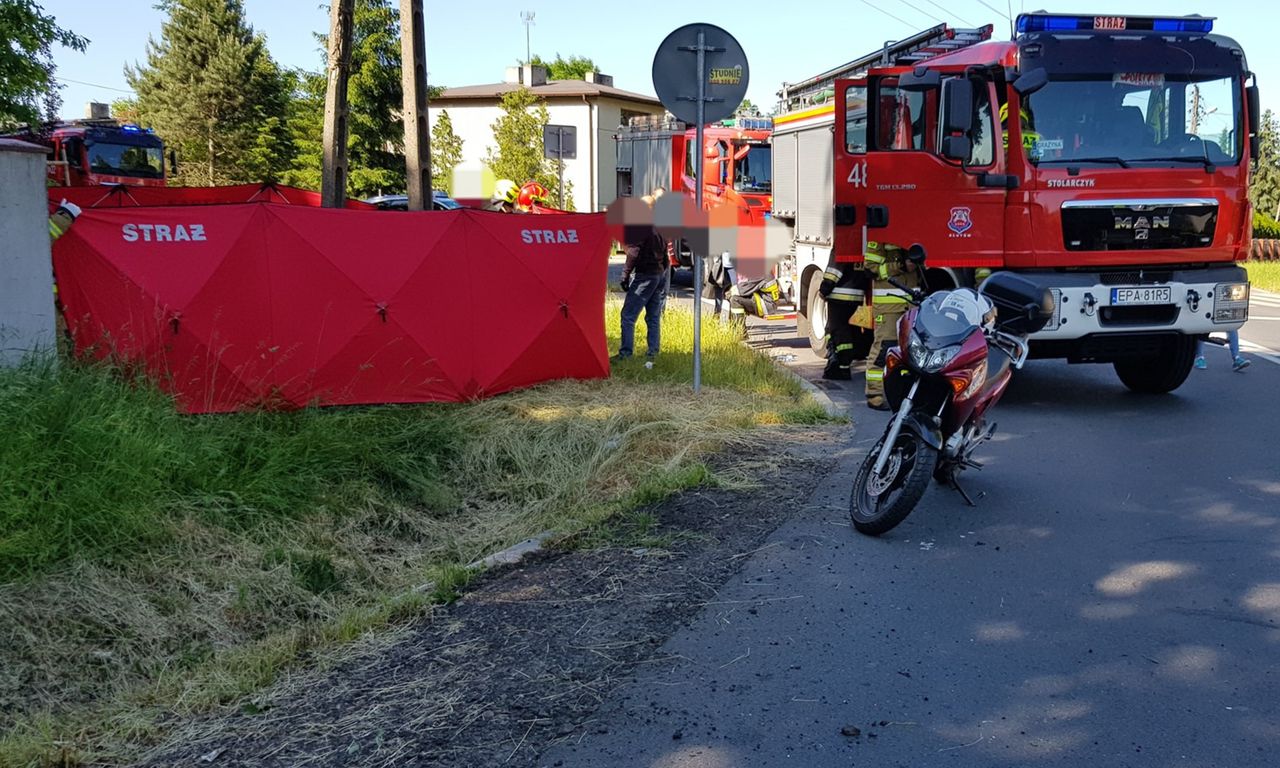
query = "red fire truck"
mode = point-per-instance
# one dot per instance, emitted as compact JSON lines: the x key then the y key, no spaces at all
{"x":99,"y":151}
{"x":1106,"y":157}
{"x":737,"y":169}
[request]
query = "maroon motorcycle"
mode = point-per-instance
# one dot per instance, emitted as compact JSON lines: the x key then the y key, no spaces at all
{"x":955,"y":356}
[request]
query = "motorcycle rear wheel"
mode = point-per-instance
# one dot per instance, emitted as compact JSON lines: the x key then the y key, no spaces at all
{"x":911,"y":465}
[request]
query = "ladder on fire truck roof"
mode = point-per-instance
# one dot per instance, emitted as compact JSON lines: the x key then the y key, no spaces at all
{"x":934,"y":41}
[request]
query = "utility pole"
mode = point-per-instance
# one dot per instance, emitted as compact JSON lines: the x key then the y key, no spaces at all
{"x":417,"y":134}
{"x":333,"y":175}
{"x":1195,"y":109}
{"x":527,"y":18}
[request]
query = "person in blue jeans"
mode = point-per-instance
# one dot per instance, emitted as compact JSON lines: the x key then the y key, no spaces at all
{"x":1238,"y":363}
{"x":644,"y":278}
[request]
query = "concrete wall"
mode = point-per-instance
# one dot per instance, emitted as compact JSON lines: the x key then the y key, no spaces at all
{"x":594,"y":184}
{"x":26,"y":275}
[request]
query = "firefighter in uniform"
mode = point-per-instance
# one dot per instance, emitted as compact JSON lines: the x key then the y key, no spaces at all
{"x":1026,"y":124}
{"x":844,"y":288}
{"x":505,"y":196}
{"x":62,"y":219}
{"x":888,"y":305}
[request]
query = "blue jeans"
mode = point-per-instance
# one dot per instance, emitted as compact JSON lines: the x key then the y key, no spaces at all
{"x":1233,"y":343}
{"x":648,"y":293}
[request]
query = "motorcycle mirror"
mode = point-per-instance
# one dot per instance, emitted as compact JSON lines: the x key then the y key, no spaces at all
{"x":916,"y":254}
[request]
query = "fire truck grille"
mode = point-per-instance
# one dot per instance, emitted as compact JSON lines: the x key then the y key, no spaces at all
{"x":1141,"y":225}
{"x":1136,"y":277}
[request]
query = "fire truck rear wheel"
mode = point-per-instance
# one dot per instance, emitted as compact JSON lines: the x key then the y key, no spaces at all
{"x":1163,"y":374}
{"x":816,"y":314}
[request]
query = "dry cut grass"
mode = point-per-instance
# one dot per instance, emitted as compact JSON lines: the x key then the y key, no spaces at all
{"x":154,"y":565}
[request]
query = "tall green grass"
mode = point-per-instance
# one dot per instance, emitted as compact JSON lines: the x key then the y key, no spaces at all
{"x":97,"y":464}
{"x":1264,"y":274}
{"x":726,"y":363}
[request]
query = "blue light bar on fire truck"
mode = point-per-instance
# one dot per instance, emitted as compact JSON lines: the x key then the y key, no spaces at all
{"x":1050,"y":22}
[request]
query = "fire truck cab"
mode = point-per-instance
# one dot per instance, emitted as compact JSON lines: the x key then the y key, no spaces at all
{"x":104,"y":152}
{"x":99,"y":150}
{"x":737,"y":168}
{"x":1105,"y":157}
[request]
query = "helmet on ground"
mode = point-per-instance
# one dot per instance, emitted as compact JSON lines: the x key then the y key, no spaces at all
{"x":532,"y":192}
{"x":505,"y":191}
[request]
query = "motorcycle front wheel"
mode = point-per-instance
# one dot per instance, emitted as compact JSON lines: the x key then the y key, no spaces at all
{"x":880,"y":502}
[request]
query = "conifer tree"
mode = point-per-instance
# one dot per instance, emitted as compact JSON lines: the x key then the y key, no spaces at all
{"x":213,"y":93}
{"x":1264,"y":186}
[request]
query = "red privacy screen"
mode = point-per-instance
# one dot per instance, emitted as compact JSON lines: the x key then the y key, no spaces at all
{"x":276,"y":305}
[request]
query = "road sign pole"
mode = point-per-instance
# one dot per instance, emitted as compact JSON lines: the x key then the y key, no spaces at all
{"x":698,"y":169}
{"x":720,"y":66}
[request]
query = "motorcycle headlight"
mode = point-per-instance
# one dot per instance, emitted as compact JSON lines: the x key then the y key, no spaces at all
{"x":929,"y":361}
{"x":916,"y":351}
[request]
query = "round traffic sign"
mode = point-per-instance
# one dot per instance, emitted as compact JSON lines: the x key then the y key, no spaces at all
{"x":724,"y":73}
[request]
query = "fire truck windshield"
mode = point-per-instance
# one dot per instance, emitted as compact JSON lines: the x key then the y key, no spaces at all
{"x":1137,"y":99}
{"x":1133,"y":117}
{"x":754,"y":172}
{"x":125,"y":160}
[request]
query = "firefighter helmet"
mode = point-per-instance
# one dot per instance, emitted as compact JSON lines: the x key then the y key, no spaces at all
{"x":1023,"y":114}
{"x":532,"y":192}
{"x":505,"y":191}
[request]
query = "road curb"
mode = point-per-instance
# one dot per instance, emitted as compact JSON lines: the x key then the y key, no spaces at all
{"x":514,"y":553}
{"x":833,"y":409}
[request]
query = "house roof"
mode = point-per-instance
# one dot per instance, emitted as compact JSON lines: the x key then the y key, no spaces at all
{"x":551,"y":89}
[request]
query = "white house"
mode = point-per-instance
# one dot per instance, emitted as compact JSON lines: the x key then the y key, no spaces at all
{"x":593,"y":106}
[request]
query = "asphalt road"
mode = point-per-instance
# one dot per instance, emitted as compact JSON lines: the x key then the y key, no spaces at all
{"x":1114,"y":599}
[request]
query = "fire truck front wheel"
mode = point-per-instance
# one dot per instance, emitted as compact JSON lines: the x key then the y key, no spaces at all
{"x":816,"y":315}
{"x":1161,"y":374}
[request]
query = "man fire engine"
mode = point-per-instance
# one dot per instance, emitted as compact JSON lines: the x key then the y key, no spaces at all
{"x":99,"y":150}
{"x":660,"y":153}
{"x":1121,"y":185}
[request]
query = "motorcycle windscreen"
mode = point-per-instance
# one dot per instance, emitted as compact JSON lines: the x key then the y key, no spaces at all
{"x":947,"y":318}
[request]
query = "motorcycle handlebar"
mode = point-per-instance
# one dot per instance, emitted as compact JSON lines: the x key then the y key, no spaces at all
{"x":916,"y":294}
{"x":1021,"y":348}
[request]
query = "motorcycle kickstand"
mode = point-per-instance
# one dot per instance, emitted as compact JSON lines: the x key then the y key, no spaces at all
{"x":955,"y":483}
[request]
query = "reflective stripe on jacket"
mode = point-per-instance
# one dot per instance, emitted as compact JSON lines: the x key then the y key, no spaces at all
{"x":887,"y":296}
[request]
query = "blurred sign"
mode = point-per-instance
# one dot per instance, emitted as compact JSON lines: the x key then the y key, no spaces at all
{"x":560,"y":142}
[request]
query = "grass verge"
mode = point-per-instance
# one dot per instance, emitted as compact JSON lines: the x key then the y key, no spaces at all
{"x":1264,"y":274}
{"x":154,"y":565}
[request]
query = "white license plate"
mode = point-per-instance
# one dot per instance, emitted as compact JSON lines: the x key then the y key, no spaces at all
{"x":1161,"y":294}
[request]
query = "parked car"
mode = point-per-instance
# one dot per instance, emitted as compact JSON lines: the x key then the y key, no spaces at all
{"x":439,"y":202}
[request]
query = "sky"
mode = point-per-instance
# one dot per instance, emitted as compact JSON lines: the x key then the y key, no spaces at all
{"x":470,"y":43}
